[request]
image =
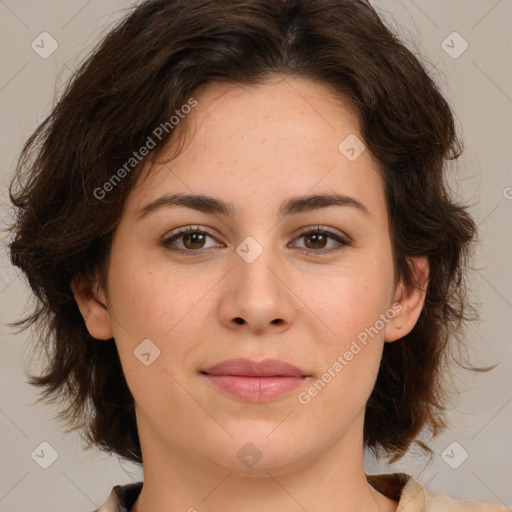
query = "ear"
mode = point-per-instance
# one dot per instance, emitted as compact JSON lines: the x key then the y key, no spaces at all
{"x":408,"y":300}
{"x":93,"y":307}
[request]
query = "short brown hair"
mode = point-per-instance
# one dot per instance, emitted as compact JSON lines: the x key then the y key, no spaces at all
{"x":145,"y":69}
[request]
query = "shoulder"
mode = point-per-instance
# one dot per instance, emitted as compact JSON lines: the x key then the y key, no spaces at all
{"x":415,"y":498}
{"x":410,"y":494}
{"x":121,"y":498}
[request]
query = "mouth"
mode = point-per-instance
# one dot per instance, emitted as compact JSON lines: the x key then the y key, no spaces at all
{"x":253,"y":381}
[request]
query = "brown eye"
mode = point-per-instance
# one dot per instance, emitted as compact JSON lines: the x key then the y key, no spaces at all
{"x":318,"y":239}
{"x":188,"y":240}
{"x":193,"y":240}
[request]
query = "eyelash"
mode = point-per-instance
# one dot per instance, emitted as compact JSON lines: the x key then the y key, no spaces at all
{"x":168,"y":240}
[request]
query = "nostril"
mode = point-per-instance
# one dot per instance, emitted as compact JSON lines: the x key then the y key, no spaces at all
{"x":239,"y":320}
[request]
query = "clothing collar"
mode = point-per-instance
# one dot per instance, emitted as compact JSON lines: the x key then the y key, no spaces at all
{"x":397,"y":486}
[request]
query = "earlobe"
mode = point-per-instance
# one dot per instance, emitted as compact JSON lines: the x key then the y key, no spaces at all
{"x":408,"y":301}
{"x":92,"y":306}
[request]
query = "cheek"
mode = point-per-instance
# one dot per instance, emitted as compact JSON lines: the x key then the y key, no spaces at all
{"x":150,"y":311}
{"x":356,"y":306}
{"x":149,"y":301}
{"x":350,"y":359}
{"x":164,"y":305}
{"x":353,"y":299}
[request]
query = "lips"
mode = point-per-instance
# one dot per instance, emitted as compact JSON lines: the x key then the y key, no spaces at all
{"x":255,"y":381}
{"x":247,"y":368}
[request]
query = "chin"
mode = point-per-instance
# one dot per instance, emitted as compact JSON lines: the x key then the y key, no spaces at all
{"x":253,"y":452}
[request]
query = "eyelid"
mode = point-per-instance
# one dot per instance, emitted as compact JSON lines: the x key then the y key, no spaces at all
{"x":341,"y":238}
{"x":176,"y":233}
{"x":327,"y":230}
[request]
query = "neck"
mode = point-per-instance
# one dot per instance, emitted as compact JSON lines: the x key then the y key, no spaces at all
{"x":334,"y":481}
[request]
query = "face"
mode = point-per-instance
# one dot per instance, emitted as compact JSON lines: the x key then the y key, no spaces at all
{"x":264,"y":271}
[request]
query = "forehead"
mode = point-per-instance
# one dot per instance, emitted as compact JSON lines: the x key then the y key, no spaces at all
{"x":284,"y":110}
{"x":284,"y":135}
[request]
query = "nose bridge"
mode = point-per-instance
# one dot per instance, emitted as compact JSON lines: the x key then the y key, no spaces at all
{"x":258,"y":293}
{"x":258,"y":268}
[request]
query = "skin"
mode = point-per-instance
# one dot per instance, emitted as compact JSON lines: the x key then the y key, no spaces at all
{"x":255,"y":146}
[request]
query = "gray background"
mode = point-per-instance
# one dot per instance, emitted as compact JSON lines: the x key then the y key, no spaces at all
{"x":479,"y":85}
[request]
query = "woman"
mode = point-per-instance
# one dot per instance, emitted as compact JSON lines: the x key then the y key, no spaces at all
{"x":248,"y":265}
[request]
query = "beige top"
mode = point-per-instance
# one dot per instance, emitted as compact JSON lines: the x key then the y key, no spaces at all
{"x":411,"y":497}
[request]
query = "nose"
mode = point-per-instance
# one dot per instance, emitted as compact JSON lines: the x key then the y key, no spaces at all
{"x":258,"y":297}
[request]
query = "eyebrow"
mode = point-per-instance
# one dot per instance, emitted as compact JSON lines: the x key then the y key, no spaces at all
{"x":212,"y":205}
